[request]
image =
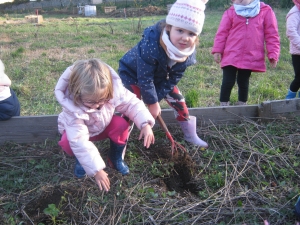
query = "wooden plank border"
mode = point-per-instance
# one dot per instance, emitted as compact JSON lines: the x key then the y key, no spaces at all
{"x":34,"y":129}
{"x":28,"y":129}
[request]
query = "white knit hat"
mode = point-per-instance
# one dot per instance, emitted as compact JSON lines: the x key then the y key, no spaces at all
{"x":187,"y":14}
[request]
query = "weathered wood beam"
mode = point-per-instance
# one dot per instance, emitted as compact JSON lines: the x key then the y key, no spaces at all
{"x":28,"y":129}
{"x":279,"y":108}
{"x":34,"y":129}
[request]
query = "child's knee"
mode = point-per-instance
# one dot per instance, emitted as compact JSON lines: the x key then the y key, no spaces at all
{"x":65,"y":145}
{"x":119,"y":130}
{"x":120,"y":123}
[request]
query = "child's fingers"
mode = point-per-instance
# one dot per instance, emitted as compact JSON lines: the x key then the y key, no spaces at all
{"x":148,"y":138}
{"x":99,"y":185}
{"x":147,"y":142}
{"x":141,"y":136}
{"x":104,"y":184}
{"x":102,"y":180}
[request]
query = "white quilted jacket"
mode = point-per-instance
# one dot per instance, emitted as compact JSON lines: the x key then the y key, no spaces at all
{"x":81,"y":123}
{"x":293,"y":30}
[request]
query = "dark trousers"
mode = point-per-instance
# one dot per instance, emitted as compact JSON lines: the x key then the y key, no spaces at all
{"x":231,"y":75}
{"x":295,"y":85}
{"x":9,"y":107}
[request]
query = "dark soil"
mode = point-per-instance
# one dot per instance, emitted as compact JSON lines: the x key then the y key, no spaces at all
{"x":181,"y":175}
{"x":53,"y":195}
{"x":231,"y":184}
{"x":180,"y":180}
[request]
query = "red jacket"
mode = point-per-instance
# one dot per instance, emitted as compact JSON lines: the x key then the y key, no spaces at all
{"x":241,"y":41}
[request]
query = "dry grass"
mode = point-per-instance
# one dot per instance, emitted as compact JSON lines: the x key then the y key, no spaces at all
{"x":249,"y":173}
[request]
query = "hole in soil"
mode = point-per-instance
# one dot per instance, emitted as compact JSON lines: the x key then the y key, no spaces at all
{"x":181,"y":176}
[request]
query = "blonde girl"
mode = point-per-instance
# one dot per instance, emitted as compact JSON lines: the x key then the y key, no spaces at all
{"x":90,"y":92}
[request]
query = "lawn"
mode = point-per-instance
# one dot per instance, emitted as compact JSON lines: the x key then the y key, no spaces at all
{"x":249,"y":173}
{"x":36,"y":55}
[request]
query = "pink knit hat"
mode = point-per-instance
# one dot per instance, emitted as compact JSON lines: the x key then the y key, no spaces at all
{"x":187,"y":14}
{"x":297,"y":3}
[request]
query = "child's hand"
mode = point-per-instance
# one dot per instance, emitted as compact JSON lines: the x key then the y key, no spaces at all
{"x":217,"y":57}
{"x":148,"y":135}
{"x":102,"y":180}
{"x":273,"y":63}
{"x":154,"y":109}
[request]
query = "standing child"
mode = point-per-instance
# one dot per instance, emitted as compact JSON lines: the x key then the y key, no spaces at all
{"x":156,"y":64}
{"x":293,"y":34}
{"x":9,"y":103}
{"x":239,"y":45}
{"x":90,"y":92}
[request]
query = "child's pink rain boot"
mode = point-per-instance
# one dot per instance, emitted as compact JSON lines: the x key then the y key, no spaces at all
{"x":189,"y":130}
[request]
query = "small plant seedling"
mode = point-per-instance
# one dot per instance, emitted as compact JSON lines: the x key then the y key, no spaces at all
{"x":52,"y":211}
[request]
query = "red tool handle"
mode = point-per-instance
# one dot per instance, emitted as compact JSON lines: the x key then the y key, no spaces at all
{"x":165,"y":128}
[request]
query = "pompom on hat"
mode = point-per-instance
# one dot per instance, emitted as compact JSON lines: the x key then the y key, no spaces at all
{"x":297,"y":3}
{"x":187,"y":14}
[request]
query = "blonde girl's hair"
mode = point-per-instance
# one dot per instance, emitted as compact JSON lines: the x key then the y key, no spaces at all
{"x":90,"y":78}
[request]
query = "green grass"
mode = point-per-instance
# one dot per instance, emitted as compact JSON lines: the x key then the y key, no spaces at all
{"x":249,"y":173}
{"x":35,"y":57}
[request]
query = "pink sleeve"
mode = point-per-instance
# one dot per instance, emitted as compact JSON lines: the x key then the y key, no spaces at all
{"x":222,"y":33}
{"x":271,"y":35}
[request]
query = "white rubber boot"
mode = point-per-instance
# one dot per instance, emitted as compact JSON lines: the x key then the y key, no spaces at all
{"x":190,"y":134}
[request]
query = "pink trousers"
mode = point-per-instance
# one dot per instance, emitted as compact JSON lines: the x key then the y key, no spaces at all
{"x":116,"y":131}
